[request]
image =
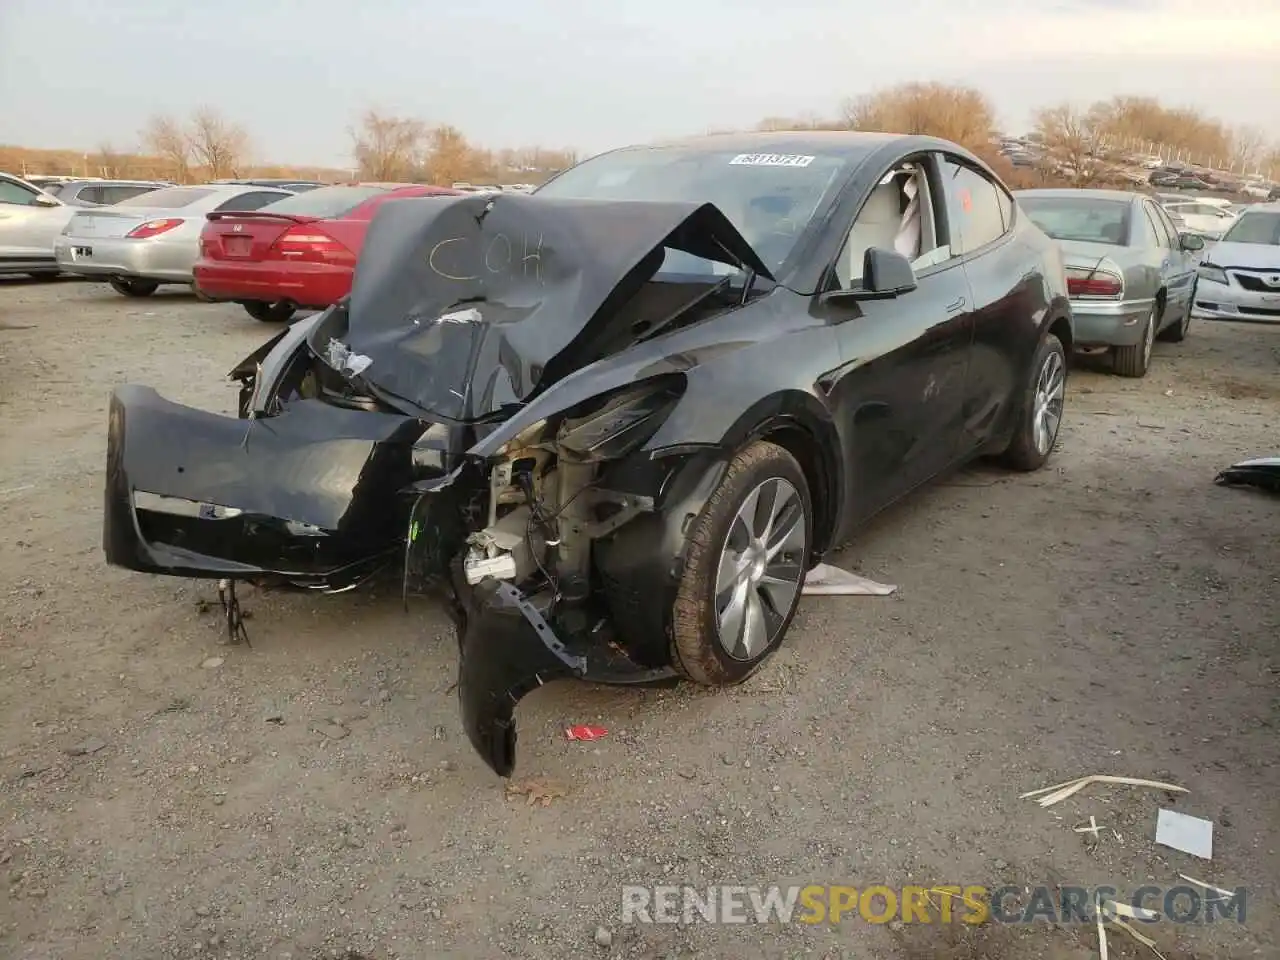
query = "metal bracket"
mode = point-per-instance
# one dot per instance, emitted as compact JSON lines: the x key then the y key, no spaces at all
{"x":629,"y":507}
{"x":509,"y":594}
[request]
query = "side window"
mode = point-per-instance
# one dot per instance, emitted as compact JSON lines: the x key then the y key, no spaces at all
{"x":973,"y":203}
{"x":1167,"y":231}
{"x":91,"y":195}
{"x":11,"y":192}
{"x":252,"y":201}
{"x":1149,"y":235}
{"x":116,"y":194}
{"x":897,"y":215}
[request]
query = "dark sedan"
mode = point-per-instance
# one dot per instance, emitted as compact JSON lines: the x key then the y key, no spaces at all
{"x":619,"y":421}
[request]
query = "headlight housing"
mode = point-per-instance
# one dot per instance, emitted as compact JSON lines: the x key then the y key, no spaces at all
{"x":1214,"y":274}
{"x":612,"y":426}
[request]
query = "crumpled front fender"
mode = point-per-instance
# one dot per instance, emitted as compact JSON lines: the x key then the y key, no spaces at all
{"x":507,"y":650}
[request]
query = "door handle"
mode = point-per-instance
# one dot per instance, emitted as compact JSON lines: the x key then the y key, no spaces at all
{"x":958,"y":304}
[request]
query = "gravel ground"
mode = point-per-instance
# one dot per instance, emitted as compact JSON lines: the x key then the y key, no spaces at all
{"x":162,"y":795}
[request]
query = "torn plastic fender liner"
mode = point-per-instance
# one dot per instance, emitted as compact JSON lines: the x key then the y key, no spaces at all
{"x":507,"y":650}
{"x":305,"y":493}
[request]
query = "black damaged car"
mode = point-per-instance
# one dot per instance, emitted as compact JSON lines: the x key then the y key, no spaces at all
{"x":618,"y":420}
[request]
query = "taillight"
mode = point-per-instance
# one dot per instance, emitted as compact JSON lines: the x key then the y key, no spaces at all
{"x":309,"y":244}
{"x":1093,"y":283}
{"x":152,"y":228}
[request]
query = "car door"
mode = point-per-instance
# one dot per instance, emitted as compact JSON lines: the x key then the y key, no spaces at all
{"x":27,"y":226}
{"x":898,"y":392}
{"x":1177,"y":268}
{"x":1004,"y":277}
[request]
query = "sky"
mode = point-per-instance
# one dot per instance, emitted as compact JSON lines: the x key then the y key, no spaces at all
{"x":594,"y":74}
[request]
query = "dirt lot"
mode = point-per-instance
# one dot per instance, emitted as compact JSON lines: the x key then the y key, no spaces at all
{"x":1115,"y":613}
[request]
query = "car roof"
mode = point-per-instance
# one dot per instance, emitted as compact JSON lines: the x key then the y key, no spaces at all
{"x":853,"y":143}
{"x":119,"y":183}
{"x":1129,"y":196}
{"x":1271,"y":206}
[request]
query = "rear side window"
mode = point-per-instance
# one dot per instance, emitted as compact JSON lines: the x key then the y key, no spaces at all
{"x":170,"y":198}
{"x":254,"y":200}
{"x":327,"y":202}
{"x":117,"y":193}
{"x":87,"y":194}
{"x":1149,"y":234}
{"x":974,"y":203}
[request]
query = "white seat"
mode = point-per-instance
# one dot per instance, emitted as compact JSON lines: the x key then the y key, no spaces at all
{"x":876,"y":226}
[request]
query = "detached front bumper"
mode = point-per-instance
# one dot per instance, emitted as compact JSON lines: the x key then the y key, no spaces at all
{"x":311,"y":494}
{"x":1233,"y":301}
{"x":1111,"y":324}
{"x":150,"y":259}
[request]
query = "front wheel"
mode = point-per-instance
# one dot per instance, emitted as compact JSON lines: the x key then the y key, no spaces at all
{"x":133,"y":287}
{"x":269,"y":312}
{"x":748,"y":553}
{"x":1135,"y":360}
{"x":1040,"y":410}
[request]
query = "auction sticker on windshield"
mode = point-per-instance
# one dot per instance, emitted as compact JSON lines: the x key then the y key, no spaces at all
{"x":771,"y":160}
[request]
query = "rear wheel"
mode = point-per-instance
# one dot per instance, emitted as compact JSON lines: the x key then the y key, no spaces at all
{"x":269,"y":312}
{"x":132,"y":287}
{"x":1135,"y":360}
{"x":1040,"y":410}
{"x":748,"y":553}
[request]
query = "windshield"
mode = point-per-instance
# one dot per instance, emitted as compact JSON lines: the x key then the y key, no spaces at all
{"x":168,"y":199}
{"x":1092,"y":219}
{"x":325,"y":202}
{"x":769,"y":198}
{"x":1263,"y":228}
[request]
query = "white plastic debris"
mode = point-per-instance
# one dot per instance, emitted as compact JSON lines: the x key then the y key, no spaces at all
{"x":1060,"y":791}
{"x":1188,"y":834}
{"x":828,"y":581}
{"x":469,"y":315}
{"x":339,"y":356}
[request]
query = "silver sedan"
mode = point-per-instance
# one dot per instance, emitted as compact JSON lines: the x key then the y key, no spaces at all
{"x":153,"y":238}
{"x":1130,"y":272}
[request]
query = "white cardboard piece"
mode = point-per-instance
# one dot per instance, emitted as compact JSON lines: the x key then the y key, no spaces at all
{"x":828,"y":581}
{"x":1188,"y":834}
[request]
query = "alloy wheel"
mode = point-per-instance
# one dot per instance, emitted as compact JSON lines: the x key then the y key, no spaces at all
{"x":760,"y":572}
{"x":1049,"y":396}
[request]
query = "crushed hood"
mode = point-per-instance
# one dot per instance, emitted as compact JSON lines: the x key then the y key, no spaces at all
{"x":1253,"y":256}
{"x":462,"y":305}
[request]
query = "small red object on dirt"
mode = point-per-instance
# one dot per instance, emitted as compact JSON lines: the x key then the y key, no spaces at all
{"x":584,"y":731}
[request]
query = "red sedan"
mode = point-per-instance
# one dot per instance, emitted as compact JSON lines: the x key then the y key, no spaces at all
{"x":296,"y":253}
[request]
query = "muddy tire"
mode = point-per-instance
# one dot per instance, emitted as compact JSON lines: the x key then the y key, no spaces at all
{"x":1135,"y":360}
{"x":269,"y":312}
{"x":132,"y":287}
{"x":748,"y":551}
{"x":1039,"y":409}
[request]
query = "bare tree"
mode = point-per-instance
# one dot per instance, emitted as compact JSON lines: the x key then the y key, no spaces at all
{"x":216,"y":144}
{"x":1073,"y":140}
{"x":164,"y":137}
{"x":108,"y":161}
{"x":449,"y":157}
{"x":387,"y":148}
{"x":1248,"y":147}
{"x":957,"y":113}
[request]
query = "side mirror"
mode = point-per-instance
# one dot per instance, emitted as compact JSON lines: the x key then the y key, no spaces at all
{"x":1191,"y":241}
{"x":886,"y":274}
{"x":44,"y":200}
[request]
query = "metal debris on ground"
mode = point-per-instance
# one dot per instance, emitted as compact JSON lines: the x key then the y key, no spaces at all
{"x":1188,"y":834}
{"x":584,"y":731}
{"x":236,"y":632}
{"x":825,"y":580}
{"x":1060,"y":791}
